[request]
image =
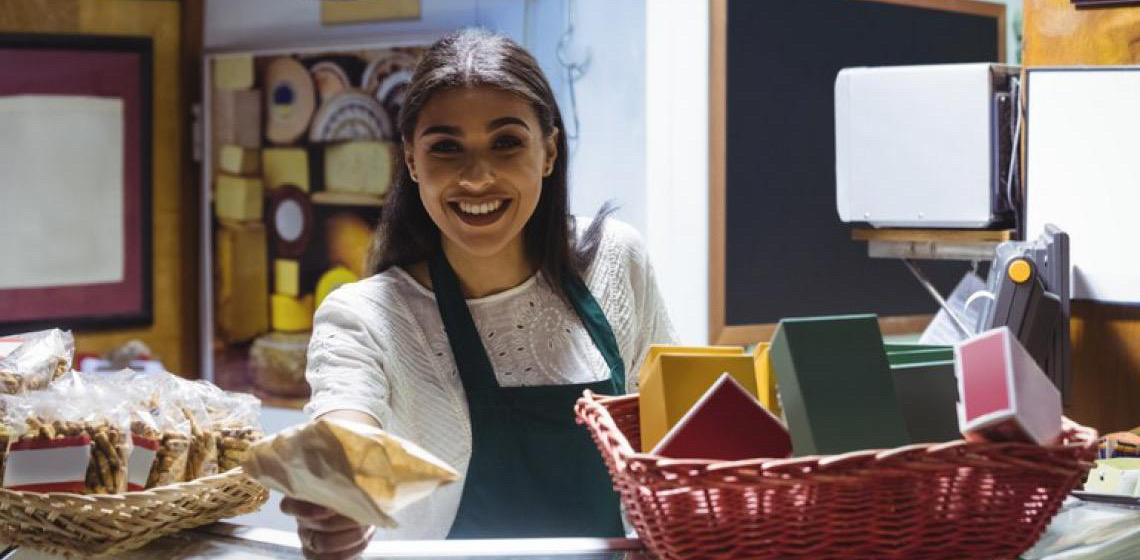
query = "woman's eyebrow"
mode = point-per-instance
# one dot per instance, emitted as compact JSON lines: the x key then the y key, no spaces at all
{"x":442,"y":129}
{"x":504,"y":121}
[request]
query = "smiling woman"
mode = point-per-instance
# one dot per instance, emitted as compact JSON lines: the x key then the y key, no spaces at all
{"x":490,"y":311}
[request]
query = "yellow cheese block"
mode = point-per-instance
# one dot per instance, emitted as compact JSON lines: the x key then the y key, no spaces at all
{"x":677,"y":381}
{"x":362,"y":167}
{"x":237,"y":160}
{"x":238,"y":198}
{"x":332,"y":280}
{"x":348,"y":238}
{"x":287,"y":277}
{"x":290,"y":314}
{"x":233,"y":72}
{"x":285,"y":166}
{"x":659,"y":349}
{"x":242,"y":294}
{"x":766,"y":381}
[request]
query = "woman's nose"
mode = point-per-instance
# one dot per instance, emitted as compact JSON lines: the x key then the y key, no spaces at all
{"x":478,"y":175}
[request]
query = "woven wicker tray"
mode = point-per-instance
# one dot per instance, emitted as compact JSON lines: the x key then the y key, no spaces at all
{"x":102,"y":525}
{"x":950,"y":501}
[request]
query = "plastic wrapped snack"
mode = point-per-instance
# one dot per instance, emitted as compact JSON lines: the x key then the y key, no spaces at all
{"x":72,"y":438}
{"x":37,"y":359}
{"x":203,"y":458}
{"x":358,"y":470}
{"x":237,"y":429}
{"x":160,"y":430}
{"x":234,"y":419}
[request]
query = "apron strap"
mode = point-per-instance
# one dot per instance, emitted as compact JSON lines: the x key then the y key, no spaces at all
{"x":594,"y":319}
{"x":466,"y":346}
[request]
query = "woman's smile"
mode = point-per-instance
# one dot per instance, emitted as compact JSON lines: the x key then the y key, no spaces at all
{"x":480,"y":213}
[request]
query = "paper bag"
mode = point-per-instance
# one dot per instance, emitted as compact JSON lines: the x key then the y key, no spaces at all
{"x":357,"y":470}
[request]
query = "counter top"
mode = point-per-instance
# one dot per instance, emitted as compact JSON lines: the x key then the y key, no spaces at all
{"x":226,"y":541}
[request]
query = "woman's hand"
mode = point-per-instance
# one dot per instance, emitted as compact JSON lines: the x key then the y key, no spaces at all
{"x":325,"y":534}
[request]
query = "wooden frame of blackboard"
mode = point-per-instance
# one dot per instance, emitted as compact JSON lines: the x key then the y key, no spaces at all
{"x":719,"y":331}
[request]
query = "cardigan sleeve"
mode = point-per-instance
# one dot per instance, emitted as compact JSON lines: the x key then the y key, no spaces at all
{"x":345,"y":359}
{"x":650,"y":321}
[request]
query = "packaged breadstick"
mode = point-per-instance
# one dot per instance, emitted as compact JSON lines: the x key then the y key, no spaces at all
{"x":234,"y":418}
{"x":33,"y":360}
{"x":71,"y":438}
{"x":238,"y":428}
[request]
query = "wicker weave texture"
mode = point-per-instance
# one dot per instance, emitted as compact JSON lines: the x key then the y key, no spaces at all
{"x":949,"y":501}
{"x":102,"y":525}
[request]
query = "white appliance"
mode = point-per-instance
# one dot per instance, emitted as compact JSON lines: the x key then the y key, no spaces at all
{"x":925,"y":146}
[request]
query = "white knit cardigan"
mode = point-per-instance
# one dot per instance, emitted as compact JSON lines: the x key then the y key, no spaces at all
{"x":378,"y":347}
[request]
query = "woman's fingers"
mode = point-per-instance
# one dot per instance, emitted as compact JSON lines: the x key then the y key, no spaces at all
{"x":334,"y":524}
{"x":337,"y":545}
{"x":305,"y":510}
{"x":313,"y":516}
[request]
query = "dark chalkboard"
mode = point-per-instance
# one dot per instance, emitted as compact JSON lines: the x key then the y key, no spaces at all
{"x":786,"y":252}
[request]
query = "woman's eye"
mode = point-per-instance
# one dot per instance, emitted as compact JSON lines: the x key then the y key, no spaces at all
{"x":446,"y":147}
{"x":507,"y":142}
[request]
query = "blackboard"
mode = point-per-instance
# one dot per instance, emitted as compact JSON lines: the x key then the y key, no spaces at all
{"x":785,"y":252}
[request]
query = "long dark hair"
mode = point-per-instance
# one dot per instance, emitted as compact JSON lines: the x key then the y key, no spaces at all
{"x":469,"y":58}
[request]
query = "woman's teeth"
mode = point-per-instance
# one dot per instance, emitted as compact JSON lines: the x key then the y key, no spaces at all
{"x":479,"y":209}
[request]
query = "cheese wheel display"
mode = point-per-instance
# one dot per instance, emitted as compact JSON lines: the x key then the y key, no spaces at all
{"x":290,"y":314}
{"x":330,"y":79}
{"x":290,"y":100}
{"x":352,"y":115}
{"x":332,"y":280}
{"x":387,"y":79}
{"x":285,"y":166}
{"x":290,"y":220}
{"x":362,"y":167}
{"x":278,"y":363}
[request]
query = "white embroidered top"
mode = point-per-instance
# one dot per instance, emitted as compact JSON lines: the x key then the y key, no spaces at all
{"x":379,"y":347}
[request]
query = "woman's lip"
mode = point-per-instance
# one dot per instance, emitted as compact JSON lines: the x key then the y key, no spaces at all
{"x":477,"y":200}
{"x":480,"y":220}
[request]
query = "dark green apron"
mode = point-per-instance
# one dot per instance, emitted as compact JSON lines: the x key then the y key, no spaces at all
{"x":534,"y":472}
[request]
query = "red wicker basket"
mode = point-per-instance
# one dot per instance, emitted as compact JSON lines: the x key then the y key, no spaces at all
{"x":952,"y":501}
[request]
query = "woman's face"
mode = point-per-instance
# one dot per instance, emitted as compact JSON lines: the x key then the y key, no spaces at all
{"x":479,"y":157}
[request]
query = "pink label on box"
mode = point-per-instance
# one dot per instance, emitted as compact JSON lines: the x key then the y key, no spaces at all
{"x":986,"y":383}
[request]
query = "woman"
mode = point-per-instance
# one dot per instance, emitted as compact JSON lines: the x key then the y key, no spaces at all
{"x":490,"y":312}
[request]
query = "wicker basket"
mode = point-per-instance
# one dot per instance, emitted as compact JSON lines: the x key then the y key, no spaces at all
{"x":101,"y":525}
{"x":951,"y":501}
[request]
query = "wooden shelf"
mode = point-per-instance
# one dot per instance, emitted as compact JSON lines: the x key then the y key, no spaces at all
{"x":933,"y":235}
{"x":329,"y":198}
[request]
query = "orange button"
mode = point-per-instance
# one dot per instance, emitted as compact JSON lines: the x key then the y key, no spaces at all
{"x":1019,"y":271}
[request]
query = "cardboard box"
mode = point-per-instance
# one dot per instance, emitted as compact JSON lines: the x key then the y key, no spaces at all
{"x":835,"y":385}
{"x":1004,"y":394}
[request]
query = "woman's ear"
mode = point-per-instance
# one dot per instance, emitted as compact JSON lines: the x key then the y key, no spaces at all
{"x":551,"y":152}
{"x":410,"y":161}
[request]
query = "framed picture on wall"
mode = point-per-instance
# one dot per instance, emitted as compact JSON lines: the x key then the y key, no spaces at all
{"x":75,"y":181}
{"x":300,"y":153}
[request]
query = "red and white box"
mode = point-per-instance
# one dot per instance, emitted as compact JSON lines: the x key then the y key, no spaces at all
{"x":1003,"y":394}
{"x":58,"y":465}
{"x":140,"y":461}
{"x":726,"y":424}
